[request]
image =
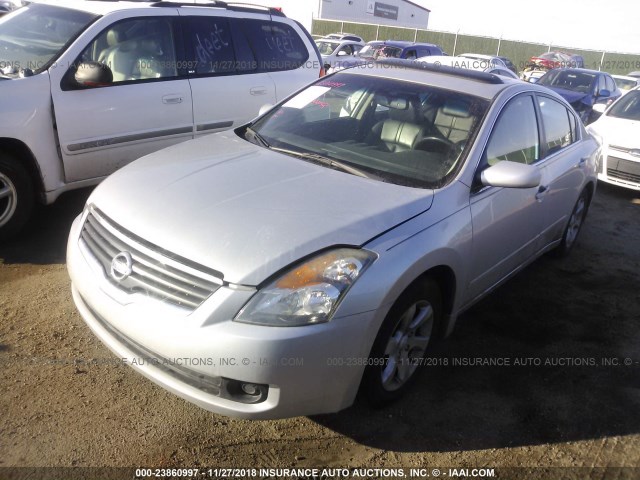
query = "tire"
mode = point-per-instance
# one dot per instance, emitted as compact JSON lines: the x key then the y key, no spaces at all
{"x":574,"y":225}
{"x":405,"y":336}
{"x":16,"y":196}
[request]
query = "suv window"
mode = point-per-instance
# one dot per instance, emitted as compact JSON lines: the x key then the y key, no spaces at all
{"x":209,"y":39}
{"x":557,"y":124}
{"x":135,"y":49}
{"x":276,"y":46}
{"x":515,"y":135}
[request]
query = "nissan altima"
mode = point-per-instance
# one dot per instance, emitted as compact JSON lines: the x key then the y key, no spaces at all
{"x":318,"y":252}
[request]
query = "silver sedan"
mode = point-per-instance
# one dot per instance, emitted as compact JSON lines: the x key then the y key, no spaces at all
{"x":321,"y":250}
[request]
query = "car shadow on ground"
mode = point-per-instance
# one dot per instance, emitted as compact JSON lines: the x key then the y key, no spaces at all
{"x":541,"y":360}
{"x":43,"y":240}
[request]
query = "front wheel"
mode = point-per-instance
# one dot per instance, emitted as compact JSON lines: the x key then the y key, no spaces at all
{"x":574,"y":225}
{"x":402,"y":342}
{"x":16,"y":196}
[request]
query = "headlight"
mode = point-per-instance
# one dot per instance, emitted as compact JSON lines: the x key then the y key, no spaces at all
{"x":308,"y":293}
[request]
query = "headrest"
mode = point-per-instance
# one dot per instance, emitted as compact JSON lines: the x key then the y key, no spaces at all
{"x":394,"y":103}
{"x":456,"y":108}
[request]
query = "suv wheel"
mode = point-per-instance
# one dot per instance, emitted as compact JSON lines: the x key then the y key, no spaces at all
{"x":16,"y":196}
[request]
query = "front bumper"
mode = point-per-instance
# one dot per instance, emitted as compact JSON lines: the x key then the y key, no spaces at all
{"x":307,"y":370}
{"x":620,"y":168}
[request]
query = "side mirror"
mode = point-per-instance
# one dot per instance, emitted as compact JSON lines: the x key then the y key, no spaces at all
{"x":533,"y":79}
{"x":511,"y":175}
{"x":342,"y":53}
{"x":93,"y":74}
{"x":604,"y":93}
{"x":599,"y":108}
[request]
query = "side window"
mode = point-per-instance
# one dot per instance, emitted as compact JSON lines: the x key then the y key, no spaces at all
{"x":556,"y":119}
{"x":611,"y":86}
{"x":210,"y":45}
{"x":601,"y":83}
{"x":515,"y":134}
{"x":276,"y":46}
{"x":135,"y":49}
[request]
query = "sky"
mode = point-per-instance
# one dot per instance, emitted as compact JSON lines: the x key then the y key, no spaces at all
{"x":612,"y":25}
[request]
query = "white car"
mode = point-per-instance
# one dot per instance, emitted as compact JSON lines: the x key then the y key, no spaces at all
{"x":89,"y":86}
{"x":333,"y":51}
{"x":278,"y":269}
{"x":475,"y":62}
{"x":618,"y":130}
{"x":626,"y":83}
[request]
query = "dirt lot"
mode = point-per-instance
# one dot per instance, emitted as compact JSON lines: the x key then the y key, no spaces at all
{"x":61,"y":406}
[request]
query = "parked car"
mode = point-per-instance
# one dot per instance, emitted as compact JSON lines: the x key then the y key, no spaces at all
{"x":279,"y":268}
{"x":389,"y":49}
{"x":634,"y":74}
{"x":537,"y":66}
{"x":336,"y":51}
{"x":91,"y":86}
{"x":345,"y":36}
{"x":471,"y":63}
{"x":618,"y":130}
{"x":7,"y":6}
{"x":582,"y":88}
{"x":625,"y":83}
{"x":510,"y":65}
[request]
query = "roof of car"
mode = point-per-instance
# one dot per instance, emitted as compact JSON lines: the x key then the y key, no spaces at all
{"x":404,"y":43}
{"x":104,"y":7}
{"x":581,"y":70}
{"x":626,"y":77}
{"x":476,"y":83}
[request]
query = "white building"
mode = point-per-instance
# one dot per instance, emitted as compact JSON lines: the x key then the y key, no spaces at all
{"x":396,"y":13}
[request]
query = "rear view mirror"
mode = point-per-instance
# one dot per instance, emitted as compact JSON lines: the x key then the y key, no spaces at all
{"x":604,"y":93}
{"x":93,"y":74}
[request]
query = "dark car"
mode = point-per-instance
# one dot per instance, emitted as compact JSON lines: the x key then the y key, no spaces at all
{"x":582,"y":88}
{"x":510,"y":65}
{"x":399,"y":49}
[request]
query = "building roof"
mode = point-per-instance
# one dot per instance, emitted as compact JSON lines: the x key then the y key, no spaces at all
{"x":416,"y":5}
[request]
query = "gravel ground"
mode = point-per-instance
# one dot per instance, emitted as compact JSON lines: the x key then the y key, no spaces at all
{"x":566,"y":399}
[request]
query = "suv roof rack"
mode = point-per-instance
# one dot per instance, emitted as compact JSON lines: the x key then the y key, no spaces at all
{"x":234,"y":6}
{"x":445,"y":69}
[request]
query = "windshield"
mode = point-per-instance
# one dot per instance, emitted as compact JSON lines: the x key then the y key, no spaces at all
{"x":35,"y":35}
{"x":627,"y":107}
{"x":326,"y":48}
{"x":568,"y":80}
{"x":400,"y":132}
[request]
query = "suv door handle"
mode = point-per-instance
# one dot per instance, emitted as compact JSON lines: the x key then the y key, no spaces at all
{"x":258,"y":91}
{"x":172,"y":99}
{"x":583,"y":161}
{"x":542,"y":191}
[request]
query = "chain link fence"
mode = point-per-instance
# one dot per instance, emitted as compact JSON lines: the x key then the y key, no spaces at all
{"x":456,"y":43}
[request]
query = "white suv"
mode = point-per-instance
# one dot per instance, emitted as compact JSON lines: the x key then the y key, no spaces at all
{"x":87,"y":86}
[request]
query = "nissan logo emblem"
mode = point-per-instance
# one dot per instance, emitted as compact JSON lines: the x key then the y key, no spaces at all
{"x":121,"y":266}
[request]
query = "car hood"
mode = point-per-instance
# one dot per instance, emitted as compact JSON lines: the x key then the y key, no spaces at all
{"x":571,"y":96}
{"x":618,"y":131}
{"x":247,"y":211}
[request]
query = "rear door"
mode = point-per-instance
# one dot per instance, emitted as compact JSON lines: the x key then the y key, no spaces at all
{"x":227,"y":84}
{"x":147,"y":106}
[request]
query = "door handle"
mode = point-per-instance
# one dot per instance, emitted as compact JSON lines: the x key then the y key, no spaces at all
{"x":583,"y":161}
{"x":258,"y":91}
{"x":542,"y":191}
{"x":172,"y":99}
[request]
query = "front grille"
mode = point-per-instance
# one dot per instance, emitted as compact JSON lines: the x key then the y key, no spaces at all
{"x":622,"y":169}
{"x":154,"y":272}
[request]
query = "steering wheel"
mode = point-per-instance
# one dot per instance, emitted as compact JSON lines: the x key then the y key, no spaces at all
{"x":438,"y":144}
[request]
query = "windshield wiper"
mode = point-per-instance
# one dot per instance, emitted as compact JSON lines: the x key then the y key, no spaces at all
{"x":256,"y":137}
{"x":329,"y":162}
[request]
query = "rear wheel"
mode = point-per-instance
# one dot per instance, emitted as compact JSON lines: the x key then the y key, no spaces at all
{"x":404,"y":338}
{"x":16,"y":196}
